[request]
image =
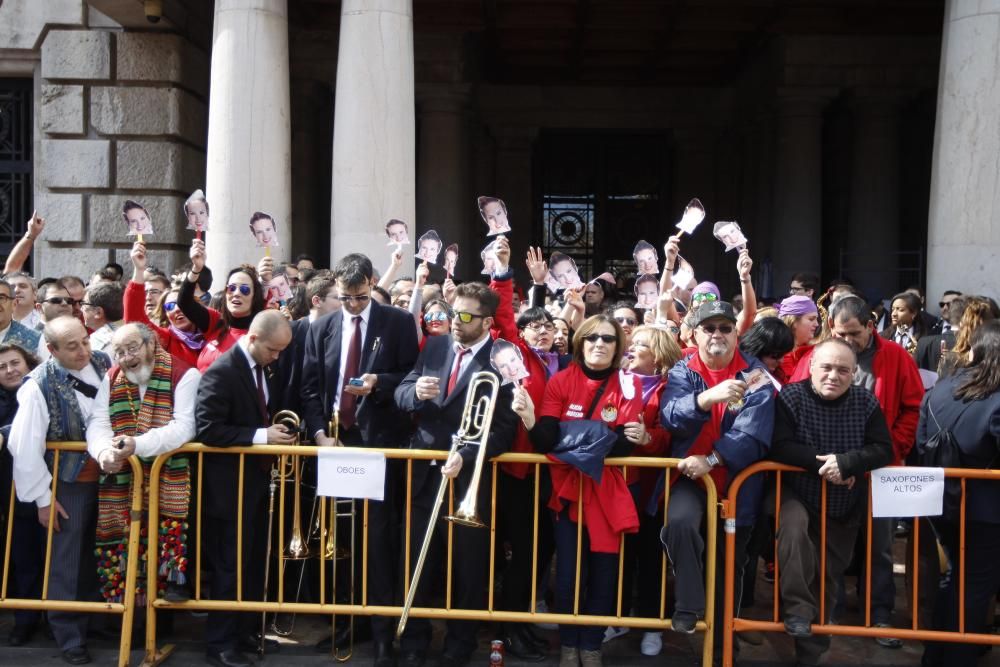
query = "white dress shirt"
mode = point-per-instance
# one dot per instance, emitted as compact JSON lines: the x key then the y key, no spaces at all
{"x":101,"y":338}
{"x":346,"y":332}
{"x":466,"y":358}
{"x":28,"y":434}
{"x":260,"y":435}
{"x":32,"y":319}
{"x":179,"y":430}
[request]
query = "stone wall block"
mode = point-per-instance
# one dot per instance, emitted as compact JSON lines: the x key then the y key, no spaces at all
{"x":76,"y":54}
{"x":150,"y":57}
{"x":82,"y":262}
{"x":165,"y":259}
{"x":75,"y":163}
{"x":61,"y":110}
{"x":63,"y":215}
{"x":150,"y":111}
{"x":166,"y":212}
{"x":157,"y":165}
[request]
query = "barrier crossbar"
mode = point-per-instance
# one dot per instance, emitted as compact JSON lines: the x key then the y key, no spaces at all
{"x":156,"y":654}
{"x":733,"y":624}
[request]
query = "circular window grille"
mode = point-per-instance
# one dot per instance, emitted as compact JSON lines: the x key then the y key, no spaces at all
{"x":568,"y":228}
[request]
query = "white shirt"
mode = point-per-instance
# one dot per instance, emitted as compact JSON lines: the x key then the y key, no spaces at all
{"x":346,"y":332}
{"x":31,"y":320}
{"x":260,"y":435}
{"x":176,"y":432}
{"x":28,"y":433}
{"x":101,"y":338}
{"x":466,"y":358}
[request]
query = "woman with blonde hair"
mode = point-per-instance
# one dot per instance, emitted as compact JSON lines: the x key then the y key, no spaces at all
{"x":977,"y":311}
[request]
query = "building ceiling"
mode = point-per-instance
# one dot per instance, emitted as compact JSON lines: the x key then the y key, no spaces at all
{"x":655,"y":42}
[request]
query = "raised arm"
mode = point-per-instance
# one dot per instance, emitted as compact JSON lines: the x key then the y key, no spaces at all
{"x":665,"y":308}
{"x":745,"y":319}
{"x":190,"y":306}
{"x":22,"y":249}
{"x":395,"y":261}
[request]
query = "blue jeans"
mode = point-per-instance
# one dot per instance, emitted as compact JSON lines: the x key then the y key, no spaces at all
{"x":598,"y":584}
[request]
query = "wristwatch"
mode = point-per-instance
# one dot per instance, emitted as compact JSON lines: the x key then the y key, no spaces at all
{"x":713,"y":460}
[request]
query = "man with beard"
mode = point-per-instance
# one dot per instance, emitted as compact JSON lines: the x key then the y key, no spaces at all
{"x":145,"y":406}
{"x":54,"y":404}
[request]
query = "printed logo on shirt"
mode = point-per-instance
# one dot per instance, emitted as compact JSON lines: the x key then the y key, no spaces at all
{"x":609,"y":413}
{"x":574,"y":410}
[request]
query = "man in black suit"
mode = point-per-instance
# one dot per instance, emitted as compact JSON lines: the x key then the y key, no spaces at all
{"x":375,"y":346}
{"x":930,"y":348}
{"x":234,"y":407}
{"x":435,"y":393}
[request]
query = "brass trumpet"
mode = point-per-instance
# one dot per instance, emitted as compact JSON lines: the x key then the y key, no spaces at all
{"x":474,"y":429}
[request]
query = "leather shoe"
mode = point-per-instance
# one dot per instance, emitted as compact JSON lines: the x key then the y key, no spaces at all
{"x":412,"y":659}
{"x":78,"y":655}
{"x":230,"y":658}
{"x":21,"y":634}
{"x":251,"y":644}
{"x":383,"y":655}
{"x":515,"y":644}
{"x":799,"y":627}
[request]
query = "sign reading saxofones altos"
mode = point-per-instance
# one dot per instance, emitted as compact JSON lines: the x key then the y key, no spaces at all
{"x":346,"y":472}
{"x":907,"y":491}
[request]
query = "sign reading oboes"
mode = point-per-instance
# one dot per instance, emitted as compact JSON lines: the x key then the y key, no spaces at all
{"x":348,"y":472}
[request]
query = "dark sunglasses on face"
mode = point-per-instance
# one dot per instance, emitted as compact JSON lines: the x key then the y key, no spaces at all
{"x":627,"y":321}
{"x":465,"y":318}
{"x":360,"y":298}
{"x":205,"y":298}
{"x":60,"y":301}
{"x":710,"y":329}
{"x":607,"y":338}
{"x":244,"y":289}
{"x":439,"y":316}
{"x":169,"y":306}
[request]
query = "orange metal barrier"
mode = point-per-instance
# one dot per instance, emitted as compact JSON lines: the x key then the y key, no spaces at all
{"x":155,"y":654}
{"x":126,"y":608}
{"x":732,"y":625}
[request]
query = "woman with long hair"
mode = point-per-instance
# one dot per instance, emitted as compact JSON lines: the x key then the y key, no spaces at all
{"x":967,"y":403}
{"x":770,"y":340}
{"x":907,"y":326}
{"x":977,"y":312}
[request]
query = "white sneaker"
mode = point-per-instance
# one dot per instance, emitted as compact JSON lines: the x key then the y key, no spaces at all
{"x":652,"y":643}
{"x":611,"y":632}
{"x":542,"y":608}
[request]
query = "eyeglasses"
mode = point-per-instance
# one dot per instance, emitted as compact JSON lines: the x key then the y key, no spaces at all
{"x":151,"y":292}
{"x":439,"y":316}
{"x":607,"y":338}
{"x":169,"y":306}
{"x":358,"y":298}
{"x":85,"y":303}
{"x":627,"y":321}
{"x":60,"y":301}
{"x":724,"y":329}
{"x":539,"y":327}
{"x":244,"y":289}
{"x":4,"y":298}
{"x":704,"y":297}
{"x":130,"y":351}
{"x":205,"y":298}
{"x":796,"y":290}
{"x":465,"y":318}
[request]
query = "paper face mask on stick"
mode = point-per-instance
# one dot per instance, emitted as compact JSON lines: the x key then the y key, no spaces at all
{"x":647,"y":291}
{"x":137,"y":218}
{"x":278,"y":290}
{"x":451,"y":259}
{"x":494,"y":213}
{"x":196,"y":212}
{"x":646,"y":259}
{"x":730,"y":234}
{"x":683,"y":278}
{"x":507,"y":360}
{"x":398,"y":232}
{"x":693,"y":215}
{"x":264,"y":230}
{"x":428,"y":247}
{"x":563,"y":273}
{"x":489,"y":257}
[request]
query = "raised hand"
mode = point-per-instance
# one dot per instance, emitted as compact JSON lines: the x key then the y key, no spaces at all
{"x":536,"y":265}
{"x":198,"y":255}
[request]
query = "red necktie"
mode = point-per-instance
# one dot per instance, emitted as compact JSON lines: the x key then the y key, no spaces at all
{"x":348,"y":401}
{"x":453,"y":380}
{"x":261,"y":398}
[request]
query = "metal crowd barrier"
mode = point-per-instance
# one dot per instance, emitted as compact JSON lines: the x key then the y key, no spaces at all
{"x":733,"y":625}
{"x":155,"y":654}
{"x":126,"y":608}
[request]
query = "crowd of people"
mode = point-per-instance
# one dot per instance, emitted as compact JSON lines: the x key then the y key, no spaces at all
{"x":822,"y":379}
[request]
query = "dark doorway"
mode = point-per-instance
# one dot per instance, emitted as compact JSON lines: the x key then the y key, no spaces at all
{"x":15,"y":161}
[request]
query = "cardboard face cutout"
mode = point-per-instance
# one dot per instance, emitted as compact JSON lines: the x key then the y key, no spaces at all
{"x":278,"y":290}
{"x":137,"y":219}
{"x":646,"y":259}
{"x":428,"y":247}
{"x":489,"y":257}
{"x":494,"y":213}
{"x":507,"y":360}
{"x":694,"y":213}
{"x":730,"y":234}
{"x":398,"y":232}
{"x":451,"y":259}
{"x":563,"y":273}
{"x":264,"y":231}
{"x":683,"y":278}
{"x":196,"y":212}
{"x":647,"y":291}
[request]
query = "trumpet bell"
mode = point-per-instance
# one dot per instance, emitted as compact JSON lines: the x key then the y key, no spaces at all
{"x":297,"y":548}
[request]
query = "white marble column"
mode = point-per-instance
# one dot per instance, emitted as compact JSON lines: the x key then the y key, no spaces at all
{"x":964,"y":230}
{"x":373,"y":134}
{"x":249,"y":140}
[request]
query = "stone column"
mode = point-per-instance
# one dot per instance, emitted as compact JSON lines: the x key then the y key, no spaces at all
{"x":796,"y":231}
{"x":964,"y":231}
{"x":249,"y":139}
{"x":873,"y":223}
{"x":373,"y":134}
{"x":514,"y":169}
{"x":444,"y":200}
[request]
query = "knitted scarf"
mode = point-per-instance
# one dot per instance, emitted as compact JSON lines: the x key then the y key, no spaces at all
{"x":131,"y":416}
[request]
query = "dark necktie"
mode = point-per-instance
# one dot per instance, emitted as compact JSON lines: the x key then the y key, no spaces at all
{"x":261,"y":398}
{"x":453,"y":380}
{"x":348,"y":401}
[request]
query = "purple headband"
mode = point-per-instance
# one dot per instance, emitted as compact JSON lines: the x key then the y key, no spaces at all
{"x":707,"y":287}
{"x":796,"y":305}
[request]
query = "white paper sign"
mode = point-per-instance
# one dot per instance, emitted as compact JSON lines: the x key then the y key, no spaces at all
{"x":907,"y":491}
{"x":349,"y":472}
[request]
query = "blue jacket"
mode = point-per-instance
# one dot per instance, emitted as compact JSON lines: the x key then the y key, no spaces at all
{"x":746,"y":434}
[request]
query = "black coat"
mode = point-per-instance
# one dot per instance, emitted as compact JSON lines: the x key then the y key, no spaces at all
{"x":929,"y":350}
{"x":389,"y":351}
{"x":289,"y":369}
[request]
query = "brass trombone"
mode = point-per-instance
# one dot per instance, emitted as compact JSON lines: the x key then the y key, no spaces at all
{"x":474,"y":429}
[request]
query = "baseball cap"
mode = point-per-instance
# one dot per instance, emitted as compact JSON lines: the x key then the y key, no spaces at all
{"x":713,"y":309}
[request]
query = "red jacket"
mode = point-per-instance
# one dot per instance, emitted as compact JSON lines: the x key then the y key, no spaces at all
{"x":898,"y":388}
{"x":135,"y":311}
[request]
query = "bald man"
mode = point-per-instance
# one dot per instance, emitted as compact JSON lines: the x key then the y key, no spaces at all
{"x":234,"y":408}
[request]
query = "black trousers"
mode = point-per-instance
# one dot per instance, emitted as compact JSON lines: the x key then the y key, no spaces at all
{"x":516,"y":524}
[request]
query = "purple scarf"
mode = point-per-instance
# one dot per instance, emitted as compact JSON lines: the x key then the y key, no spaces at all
{"x":549,"y":359}
{"x":193,"y":339}
{"x":649,"y":383}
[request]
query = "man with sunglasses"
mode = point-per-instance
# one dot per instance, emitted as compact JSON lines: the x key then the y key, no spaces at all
{"x":355,"y":357}
{"x":435,"y":394}
{"x":720,"y":425}
{"x":55,"y":301}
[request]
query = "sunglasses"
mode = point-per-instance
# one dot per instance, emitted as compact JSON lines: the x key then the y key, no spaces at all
{"x":704,"y":296}
{"x":205,"y":298}
{"x":607,"y":338}
{"x":360,"y":298}
{"x":439,"y":316}
{"x":244,"y":289}
{"x":627,"y":321}
{"x":170,"y":306}
{"x":60,"y":301}
{"x":465,"y":318}
{"x":721,"y":328}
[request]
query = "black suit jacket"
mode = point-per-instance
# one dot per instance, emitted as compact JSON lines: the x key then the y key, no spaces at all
{"x":227,"y":414}
{"x":439,"y":419}
{"x":289,"y":369}
{"x":929,"y":350}
{"x":389,"y":351}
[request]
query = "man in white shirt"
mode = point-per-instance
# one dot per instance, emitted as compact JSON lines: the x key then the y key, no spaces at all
{"x":55,"y":402}
{"x":145,"y":406}
{"x":25,"y":306}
